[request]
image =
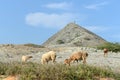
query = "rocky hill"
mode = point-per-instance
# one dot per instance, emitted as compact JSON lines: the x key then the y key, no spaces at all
{"x":74,"y":35}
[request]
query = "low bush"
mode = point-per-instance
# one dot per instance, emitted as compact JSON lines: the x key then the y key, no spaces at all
{"x":114,"y":47}
{"x":34,"y":71}
{"x":33,"y":45}
{"x":60,"y":42}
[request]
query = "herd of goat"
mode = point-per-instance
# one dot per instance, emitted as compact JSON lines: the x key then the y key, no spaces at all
{"x":51,"y":56}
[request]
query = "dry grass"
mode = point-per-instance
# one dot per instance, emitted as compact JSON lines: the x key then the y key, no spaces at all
{"x":33,"y":71}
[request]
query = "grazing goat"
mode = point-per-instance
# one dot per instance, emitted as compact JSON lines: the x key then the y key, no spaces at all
{"x":81,"y":55}
{"x":105,"y":52}
{"x":25,"y":58}
{"x":49,"y":56}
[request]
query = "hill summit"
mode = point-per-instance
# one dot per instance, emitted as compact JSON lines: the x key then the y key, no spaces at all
{"x":74,"y":35}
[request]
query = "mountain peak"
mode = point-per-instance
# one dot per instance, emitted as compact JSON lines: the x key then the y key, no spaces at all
{"x":74,"y":35}
{"x":72,"y":25}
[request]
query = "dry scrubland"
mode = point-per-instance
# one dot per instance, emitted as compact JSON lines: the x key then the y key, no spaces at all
{"x":13,"y":53}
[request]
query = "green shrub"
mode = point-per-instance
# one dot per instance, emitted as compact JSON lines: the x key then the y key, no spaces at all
{"x":115,"y":47}
{"x":86,"y":38}
{"x":60,"y":41}
{"x":78,"y":43}
{"x":34,"y":71}
{"x":33,"y":45}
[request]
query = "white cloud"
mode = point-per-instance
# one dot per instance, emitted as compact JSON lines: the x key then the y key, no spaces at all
{"x":51,"y":20}
{"x":96,"y":6}
{"x":62,"y":5}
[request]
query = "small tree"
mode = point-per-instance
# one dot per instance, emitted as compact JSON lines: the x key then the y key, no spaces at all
{"x":78,"y":43}
{"x":115,"y":47}
{"x":86,"y":38}
{"x":60,"y":41}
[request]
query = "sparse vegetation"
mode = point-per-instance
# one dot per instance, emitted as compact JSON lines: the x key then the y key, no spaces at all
{"x":86,"y":38}
{"x":33,"y":45}
{"x":34,"y":71}
{"x":77,"y":35}
{"x":78,"y":43}
{"x":114,"y":47}
{"x":60,"y":42}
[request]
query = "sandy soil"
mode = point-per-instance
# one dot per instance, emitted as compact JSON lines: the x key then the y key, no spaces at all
{"x":95,"y":58}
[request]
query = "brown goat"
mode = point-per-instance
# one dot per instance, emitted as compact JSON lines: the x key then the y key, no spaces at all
{"x":105,"y":52}
{"x":81,"y":55}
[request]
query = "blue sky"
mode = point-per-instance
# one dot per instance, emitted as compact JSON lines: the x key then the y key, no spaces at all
{"x":34,"y":21}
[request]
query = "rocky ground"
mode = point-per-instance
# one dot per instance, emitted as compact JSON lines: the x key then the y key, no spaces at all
{"x":14,"y":53}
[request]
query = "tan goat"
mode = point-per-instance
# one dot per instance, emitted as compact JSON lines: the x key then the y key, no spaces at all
{"x":49,"y":56}
{"x":76,"y":56}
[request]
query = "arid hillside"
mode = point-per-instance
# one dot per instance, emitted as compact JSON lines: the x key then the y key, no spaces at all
{"x":74,"y":35}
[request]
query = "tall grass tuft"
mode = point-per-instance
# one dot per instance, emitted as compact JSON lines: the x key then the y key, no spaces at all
{"x":34,"y":71}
